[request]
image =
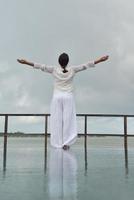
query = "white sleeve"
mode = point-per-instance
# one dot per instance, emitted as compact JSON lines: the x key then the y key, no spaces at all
{"x":83,"y":66}
{"x":43,"y":67}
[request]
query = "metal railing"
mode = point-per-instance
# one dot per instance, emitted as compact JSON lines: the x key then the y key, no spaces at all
{"x":85,"y":133}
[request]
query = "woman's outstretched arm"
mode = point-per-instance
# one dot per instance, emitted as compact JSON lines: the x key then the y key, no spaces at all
{"x":90,"y":64}
{"x":42,"y":67}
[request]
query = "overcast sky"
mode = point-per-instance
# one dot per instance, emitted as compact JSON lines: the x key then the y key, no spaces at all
{"x":85,"y":29}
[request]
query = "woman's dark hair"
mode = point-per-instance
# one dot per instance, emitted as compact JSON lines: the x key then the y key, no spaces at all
{"x":63,"y":59}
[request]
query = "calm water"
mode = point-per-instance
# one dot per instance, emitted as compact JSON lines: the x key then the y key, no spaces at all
{"x":66,"y":175}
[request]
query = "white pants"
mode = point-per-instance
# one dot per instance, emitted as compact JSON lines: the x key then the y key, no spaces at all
{"x":63,"y":127}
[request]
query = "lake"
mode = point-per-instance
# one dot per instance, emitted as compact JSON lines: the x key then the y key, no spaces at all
{"x":103,"y":173}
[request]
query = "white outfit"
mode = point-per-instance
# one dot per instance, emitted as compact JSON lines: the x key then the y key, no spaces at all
{"x":63,"y":127}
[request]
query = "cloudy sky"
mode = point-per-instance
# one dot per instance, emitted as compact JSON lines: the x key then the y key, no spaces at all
{"x":86,"y":29}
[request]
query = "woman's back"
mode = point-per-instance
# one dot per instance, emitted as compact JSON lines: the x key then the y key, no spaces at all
{"x":63,"y":81}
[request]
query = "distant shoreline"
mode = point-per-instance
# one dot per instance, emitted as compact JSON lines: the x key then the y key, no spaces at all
{"x":79,"y":135}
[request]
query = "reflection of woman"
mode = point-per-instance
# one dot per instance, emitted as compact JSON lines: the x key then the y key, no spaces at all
{"x":63,"y":126}
{"x":62,"y":174}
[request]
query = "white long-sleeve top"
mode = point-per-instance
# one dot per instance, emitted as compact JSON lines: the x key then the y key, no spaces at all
{"x":63,"y":81}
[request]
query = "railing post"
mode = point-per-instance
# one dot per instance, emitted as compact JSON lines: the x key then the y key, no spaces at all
{"x":46,"y":125}
{"x":125,"y":125}
{"x":85,"y":141}
{"x":5,"y":142}
{"x":125,"y":144}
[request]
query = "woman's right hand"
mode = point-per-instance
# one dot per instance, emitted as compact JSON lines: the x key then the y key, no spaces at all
{"x":22,"y":61}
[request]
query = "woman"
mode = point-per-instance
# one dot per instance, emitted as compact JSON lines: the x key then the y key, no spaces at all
{"x":63,"y":127}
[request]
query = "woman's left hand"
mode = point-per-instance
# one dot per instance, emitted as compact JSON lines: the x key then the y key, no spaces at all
{"x":104,"y":58}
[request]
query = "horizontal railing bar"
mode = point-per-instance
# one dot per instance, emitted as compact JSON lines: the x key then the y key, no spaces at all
{"x":104,"y":115}
{"x":26,"y":114}
{"x":79,"y":115}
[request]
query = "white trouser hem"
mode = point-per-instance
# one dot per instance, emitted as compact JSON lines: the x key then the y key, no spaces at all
{"x":69,"y":142}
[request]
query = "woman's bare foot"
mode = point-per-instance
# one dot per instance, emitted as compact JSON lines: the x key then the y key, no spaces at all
{"x":65,"y":147}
